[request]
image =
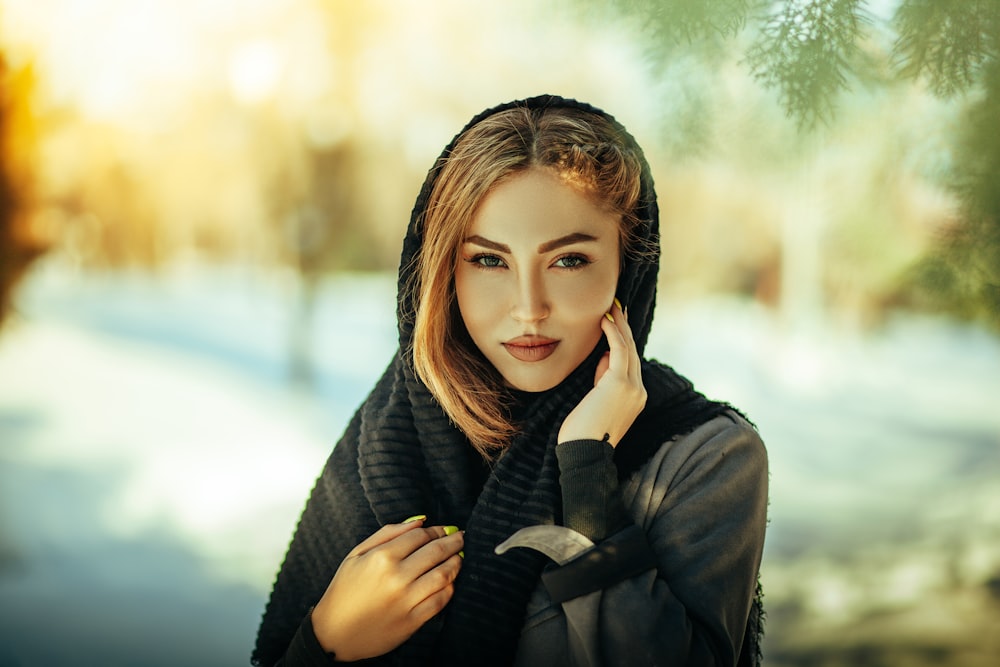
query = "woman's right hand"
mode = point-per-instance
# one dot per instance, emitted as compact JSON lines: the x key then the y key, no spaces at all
{"x":386,"y":589}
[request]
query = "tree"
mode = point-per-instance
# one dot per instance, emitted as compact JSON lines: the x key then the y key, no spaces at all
{"x":18,"y":244}
{"x":811,"y":52}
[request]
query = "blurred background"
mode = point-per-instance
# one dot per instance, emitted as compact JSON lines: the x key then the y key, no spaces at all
{"x":201,"y":209}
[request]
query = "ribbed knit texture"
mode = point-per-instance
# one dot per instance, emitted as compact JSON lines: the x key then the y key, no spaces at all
{"x":400,"y":456}
{"x":589,"y":485}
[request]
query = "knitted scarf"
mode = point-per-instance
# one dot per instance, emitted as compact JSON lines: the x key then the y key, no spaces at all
{"x":400,"y":456}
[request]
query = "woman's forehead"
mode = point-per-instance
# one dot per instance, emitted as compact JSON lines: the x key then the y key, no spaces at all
{"x":536,"y":206}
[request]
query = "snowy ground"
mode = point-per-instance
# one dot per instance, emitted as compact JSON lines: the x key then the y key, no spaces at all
{"x":155,"y":453}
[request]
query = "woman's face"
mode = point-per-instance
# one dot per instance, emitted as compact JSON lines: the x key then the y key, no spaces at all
{"x":536,"y":272}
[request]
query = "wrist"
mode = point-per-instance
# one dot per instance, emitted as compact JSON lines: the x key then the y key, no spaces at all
{"x":325,"y":631}
{"x":307,"y":649}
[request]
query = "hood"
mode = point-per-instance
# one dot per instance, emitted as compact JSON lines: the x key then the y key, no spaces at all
{"x":638,"y":279}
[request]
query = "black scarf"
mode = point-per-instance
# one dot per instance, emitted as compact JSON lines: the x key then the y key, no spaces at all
{"x":400,"y":456}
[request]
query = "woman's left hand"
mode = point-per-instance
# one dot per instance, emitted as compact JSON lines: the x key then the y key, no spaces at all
{"x":618,"y":395}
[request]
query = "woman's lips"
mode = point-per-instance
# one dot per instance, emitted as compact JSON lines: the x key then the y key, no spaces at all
{"x":531,"y":348}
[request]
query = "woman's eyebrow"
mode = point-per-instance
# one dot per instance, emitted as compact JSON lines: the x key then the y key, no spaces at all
{"x":486,"y":243}
{"x":575,"y":237}
{"x":548,"y":246}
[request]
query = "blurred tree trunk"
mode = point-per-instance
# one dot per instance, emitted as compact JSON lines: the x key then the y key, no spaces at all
{"x":321,"y":234}
{"x":803,"y":226}
{"x":19,"y":241}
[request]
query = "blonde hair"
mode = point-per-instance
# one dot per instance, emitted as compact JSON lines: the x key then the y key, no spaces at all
{"x":584,"y":149}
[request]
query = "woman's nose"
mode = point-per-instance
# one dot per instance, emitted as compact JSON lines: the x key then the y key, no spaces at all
{"x":531,"y":303}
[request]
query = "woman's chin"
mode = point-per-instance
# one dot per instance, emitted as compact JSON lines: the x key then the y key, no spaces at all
{"x":531,"y":386}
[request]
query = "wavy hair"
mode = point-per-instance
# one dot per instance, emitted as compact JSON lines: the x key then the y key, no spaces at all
{"x":584,"y":149}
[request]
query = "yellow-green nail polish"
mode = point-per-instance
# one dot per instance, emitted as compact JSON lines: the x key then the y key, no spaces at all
{"x":461,"y":554}
{"x":618,"y":303}
{"x":608,"y":315}
{"x":450,"y":530}
{"x":418,"y":517}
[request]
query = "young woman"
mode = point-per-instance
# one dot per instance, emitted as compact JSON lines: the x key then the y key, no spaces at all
{"x":521,"y":486}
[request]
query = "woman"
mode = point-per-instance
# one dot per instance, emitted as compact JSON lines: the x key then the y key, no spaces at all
{"x":521,"y":487}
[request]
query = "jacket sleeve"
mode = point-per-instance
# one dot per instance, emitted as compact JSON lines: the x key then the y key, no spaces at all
{"x":675,"y":584}
{"x":305,"y":650}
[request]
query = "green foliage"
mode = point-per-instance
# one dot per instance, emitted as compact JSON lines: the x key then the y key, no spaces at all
{"x":805,"y":50}
{"x":811,"y":52}
{"x":674,"y":23}
{"x":961,"y":275}
{"x":948,"y":41}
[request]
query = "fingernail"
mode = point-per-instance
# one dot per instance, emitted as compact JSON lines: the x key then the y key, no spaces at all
{"x":450,"y":530}
{"x":608,"y":315}
{"x":418,"y":517}
{"x":461,"y":555}
{"x":618,"y":303}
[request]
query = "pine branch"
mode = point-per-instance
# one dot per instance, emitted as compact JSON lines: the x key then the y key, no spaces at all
{"x":948,"y":41}
{"x":805,"y":50}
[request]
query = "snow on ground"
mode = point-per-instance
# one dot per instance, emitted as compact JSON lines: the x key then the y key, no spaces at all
{"x":156,"y":449}
{"x":154,"y":457}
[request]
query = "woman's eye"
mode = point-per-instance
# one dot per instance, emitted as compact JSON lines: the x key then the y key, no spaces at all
{"x":488,"y":261}
{"x":572,"y":262}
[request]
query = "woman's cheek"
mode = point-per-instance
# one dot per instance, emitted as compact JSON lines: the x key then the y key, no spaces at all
{"x":589,"y":307}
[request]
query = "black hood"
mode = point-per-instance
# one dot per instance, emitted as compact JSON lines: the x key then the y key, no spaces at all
{"x":637,"y":281}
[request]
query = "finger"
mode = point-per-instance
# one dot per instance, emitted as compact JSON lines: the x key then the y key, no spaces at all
{"x":431,"y":606}
{"x":437,"y":532}
{"x":410,"y":543}
{"x":432,"y":554}
{"x":619,"y":313}
{"x":433,"y":590}
{"x":626,"y":325}
{"x":621,"y":320}
{"x":615,"y":314}
{"x":635,"y":369}
{"x":386,"y":533}
{"x":618,"y":360}
{"x":436,"y":579}
{"x":403,"y":541}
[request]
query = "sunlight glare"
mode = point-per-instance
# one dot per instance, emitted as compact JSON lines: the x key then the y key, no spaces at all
{"x":255,"y":69}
